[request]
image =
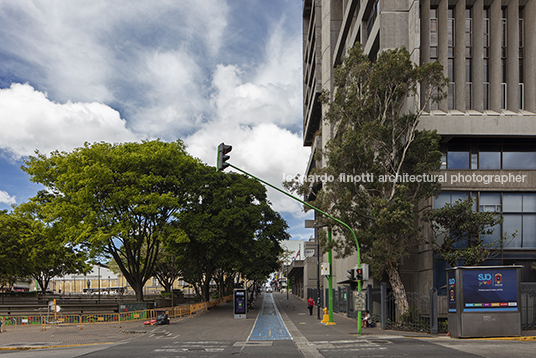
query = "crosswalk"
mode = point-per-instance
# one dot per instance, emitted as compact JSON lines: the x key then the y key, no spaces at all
{"x":193,"y":346}
{"x":325,"y":348}
{"x":350,"y":346}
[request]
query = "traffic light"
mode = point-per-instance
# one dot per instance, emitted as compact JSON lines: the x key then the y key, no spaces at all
{"x":359,"y":273}
{"x":351,"y":275}
{"x":222,"y":157}
{"x":351,"y":279}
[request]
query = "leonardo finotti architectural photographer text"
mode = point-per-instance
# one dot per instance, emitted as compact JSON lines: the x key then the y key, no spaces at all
{"x":451,"y":178}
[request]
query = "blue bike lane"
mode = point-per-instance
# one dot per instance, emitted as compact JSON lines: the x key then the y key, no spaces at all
{"x":269,"y":325}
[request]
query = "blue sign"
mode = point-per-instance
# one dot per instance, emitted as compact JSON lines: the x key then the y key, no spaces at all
{"x":491,"y":290}
{"x":451,"y":290}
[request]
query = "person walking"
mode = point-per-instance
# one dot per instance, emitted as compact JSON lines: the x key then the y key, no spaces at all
{"x":310,"y":305}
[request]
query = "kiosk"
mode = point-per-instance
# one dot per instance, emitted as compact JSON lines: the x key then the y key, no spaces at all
{"x":240,"y":300}
{"x":483,"y":301}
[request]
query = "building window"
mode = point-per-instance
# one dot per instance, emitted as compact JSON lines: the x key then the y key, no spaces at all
{"x":486,"y":93}
{"x":451,"y":44}
{"x":488,"y":155}
{"x":521,"y":55}
{"x":518,"y":209}
{"x":468,"y":59}
{"x":504,"y":55}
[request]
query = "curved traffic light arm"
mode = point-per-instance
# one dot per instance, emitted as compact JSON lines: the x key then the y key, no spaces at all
{"x":326,"y":214}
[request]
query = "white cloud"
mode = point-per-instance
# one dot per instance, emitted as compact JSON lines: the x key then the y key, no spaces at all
{"x":30,"y":121}
{"x":6,"y":198}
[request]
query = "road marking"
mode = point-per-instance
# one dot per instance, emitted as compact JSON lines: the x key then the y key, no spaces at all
{"x":269,"y":325}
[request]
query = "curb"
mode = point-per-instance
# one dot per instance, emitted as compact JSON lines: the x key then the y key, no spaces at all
{"x":26,"y":348}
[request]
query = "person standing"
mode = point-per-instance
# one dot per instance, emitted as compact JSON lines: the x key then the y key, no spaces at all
{"x":310,"y":305}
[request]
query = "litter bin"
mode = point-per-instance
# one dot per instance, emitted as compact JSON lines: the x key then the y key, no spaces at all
{"x":484,"y":301}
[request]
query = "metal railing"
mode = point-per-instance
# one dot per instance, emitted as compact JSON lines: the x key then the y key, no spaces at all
{"x":177,"y":312}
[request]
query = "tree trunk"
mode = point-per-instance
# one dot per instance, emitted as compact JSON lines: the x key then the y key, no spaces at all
{"x":399,"y":291}
{"x":138,"y":289}
{"x":206,"y":290}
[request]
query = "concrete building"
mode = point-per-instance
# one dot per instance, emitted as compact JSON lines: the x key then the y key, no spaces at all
{"x":487,"y":122}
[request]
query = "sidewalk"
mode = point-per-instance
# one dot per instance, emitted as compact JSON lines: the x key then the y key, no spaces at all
{"x":218,"y":322}
{"x":346,"y":328}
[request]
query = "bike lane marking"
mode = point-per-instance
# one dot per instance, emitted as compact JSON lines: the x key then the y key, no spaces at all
{"x":269,"y":325}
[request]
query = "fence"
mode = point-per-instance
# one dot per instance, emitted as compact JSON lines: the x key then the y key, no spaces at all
{"x":426,"y":313}
{"x":103,"y":318}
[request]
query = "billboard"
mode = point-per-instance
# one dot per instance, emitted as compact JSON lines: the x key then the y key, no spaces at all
{"x":489,"y":290}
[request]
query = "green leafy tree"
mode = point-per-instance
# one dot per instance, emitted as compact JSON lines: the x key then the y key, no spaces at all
{"x":117,"y":200}
{"x":459,"y":233}
{"x":12,"y":253}
{"x":374,"y":150}
{"x":228,"y":227}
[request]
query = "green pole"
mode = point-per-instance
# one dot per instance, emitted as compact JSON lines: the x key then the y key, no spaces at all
{"x":330,"y":282}
{"x":329,"y":216}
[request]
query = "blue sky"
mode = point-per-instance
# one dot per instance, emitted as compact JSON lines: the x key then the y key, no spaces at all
{"x":204,"y":71}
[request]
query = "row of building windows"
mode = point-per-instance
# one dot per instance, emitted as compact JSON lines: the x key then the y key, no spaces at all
{"x":469,"y":35}
{"x":488,"y":156}
{"x":518,"y":209}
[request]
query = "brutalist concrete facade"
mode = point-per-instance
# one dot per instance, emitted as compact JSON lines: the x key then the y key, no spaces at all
{"x":487,"y":123}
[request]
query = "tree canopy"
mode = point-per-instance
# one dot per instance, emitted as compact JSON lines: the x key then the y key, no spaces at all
{"x":230,"y":229}
{"x":117,"y":200}
{"x":377,"y":158}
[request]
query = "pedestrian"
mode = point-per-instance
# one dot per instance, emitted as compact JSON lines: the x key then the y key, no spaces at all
{"x":366,"y":320}
{"x":310,"y":304}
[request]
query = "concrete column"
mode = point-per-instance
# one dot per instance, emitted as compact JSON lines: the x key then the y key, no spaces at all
{"x":495,"y":55}
{"x":530,"y":55}
{"x":425,"y":38}
{"x":512,"y":61}
{"x":442,"y":48}
{"x":459,"y":54}
{"x":478,"y":56}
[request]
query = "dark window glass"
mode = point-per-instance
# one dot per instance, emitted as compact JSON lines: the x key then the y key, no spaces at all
{"x":512,"y":202}
{"x":529,"y":203}
{"x":490,"y":157}
{"x":518,"y":158}
{"x":511,"y":223}
{"x":458,"y":157}
{"x":529,"y":231}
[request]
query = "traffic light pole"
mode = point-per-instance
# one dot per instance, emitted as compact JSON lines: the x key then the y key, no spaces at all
{"x":330,"y":283}
{"x":329,"y":235}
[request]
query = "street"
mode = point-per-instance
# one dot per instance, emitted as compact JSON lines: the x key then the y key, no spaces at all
{"x":217,"y":334}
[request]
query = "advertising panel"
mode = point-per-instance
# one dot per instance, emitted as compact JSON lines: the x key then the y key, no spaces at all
{"x":240,"y":302}
{"x":489,"y":290}
{"x":451,"y":290}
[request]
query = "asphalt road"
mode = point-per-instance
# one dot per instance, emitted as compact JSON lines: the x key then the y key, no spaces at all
{"x":217,"y":334}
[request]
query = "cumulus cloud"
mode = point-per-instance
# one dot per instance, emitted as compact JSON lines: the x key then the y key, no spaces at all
{"x":6,"y":198}
{"x":124,"y":71}
{"x":30,"y":121}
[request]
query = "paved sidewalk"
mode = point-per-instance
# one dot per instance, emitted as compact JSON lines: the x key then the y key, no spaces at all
{"x":346,"y":328}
